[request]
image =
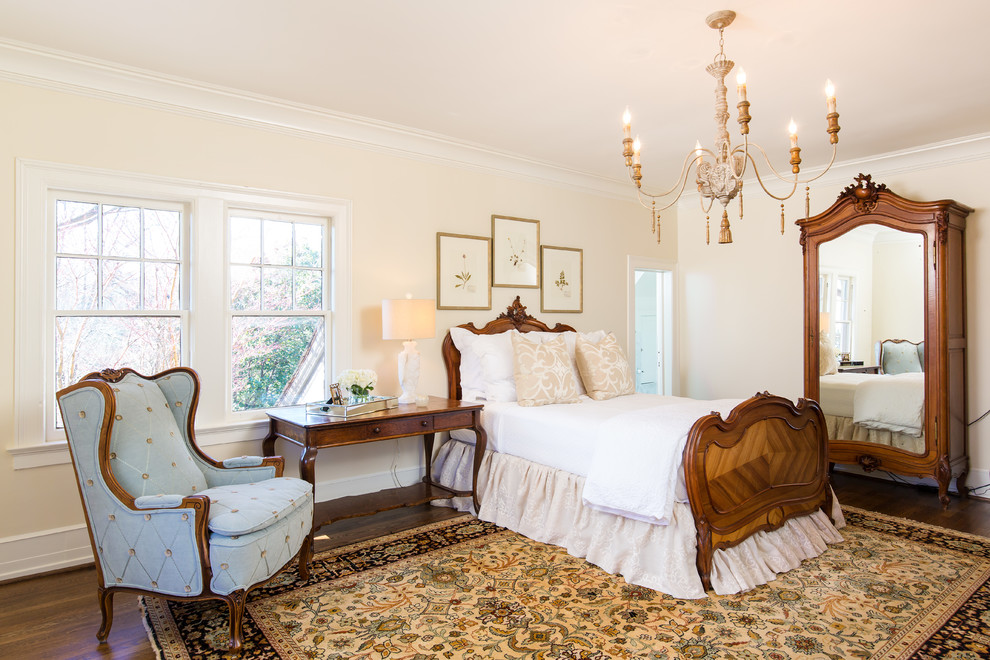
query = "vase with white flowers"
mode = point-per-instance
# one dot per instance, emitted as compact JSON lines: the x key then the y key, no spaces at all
{"x":359,"y":382}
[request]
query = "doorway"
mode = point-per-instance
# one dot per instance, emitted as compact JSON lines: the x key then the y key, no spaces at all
{"x":652,"y":325}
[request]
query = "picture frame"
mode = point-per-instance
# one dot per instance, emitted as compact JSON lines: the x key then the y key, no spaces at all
{"x":515,"y":252}
{"x":463,"y":271}
{"x":562,"y":279}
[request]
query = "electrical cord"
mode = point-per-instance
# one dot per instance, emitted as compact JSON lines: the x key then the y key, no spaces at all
{"x":979,"y":418}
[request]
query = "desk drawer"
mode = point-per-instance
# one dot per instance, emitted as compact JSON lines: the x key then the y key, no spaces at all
{"x":457,"y":420}
{"x":383,"y":429}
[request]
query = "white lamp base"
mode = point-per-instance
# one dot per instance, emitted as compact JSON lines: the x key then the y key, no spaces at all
{"x":408,"y":372}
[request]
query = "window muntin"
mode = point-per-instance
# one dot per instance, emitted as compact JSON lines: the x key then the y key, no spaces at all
{"x":277,"y":275}
{"x":118,"y":286}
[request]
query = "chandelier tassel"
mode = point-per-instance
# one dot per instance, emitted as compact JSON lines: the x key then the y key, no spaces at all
{"x":781,"y":218}
{"x":708,"y":235}
{"x":724,"y":233}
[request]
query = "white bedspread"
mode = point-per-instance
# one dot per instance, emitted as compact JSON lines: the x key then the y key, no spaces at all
{"x":638,"y":458}
{"x":838,"y":391}
{"x":892,"y":403}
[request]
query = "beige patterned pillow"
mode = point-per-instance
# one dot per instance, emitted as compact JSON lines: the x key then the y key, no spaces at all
{"x":543,"y":372}
{"x":604,"y":368}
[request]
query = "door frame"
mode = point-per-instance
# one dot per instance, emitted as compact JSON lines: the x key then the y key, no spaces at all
{"x":669,"y":375}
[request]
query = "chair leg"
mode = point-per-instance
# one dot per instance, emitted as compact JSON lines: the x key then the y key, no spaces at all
{"x":305,"y":556}
{"x":105,"y":597}
{"x":235,"y":603}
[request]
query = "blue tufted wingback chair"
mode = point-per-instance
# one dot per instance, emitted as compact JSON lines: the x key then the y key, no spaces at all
{"x":164,"y":518}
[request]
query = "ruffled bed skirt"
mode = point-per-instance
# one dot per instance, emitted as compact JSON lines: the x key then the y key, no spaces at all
{"x":843,"y":428}
{"x":545,"y":504}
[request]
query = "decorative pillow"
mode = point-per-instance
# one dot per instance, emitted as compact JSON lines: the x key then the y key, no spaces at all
{"x":543,"y":372}
{"x":472,"y":347}
{"x":900,"y":357}
{"x":827,"y":362}
{"x":570,"y":337}
{"x":604,"y":368}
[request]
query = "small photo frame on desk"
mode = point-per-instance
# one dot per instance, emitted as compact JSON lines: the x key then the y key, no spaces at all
{"x":515,"y":252}
{"x":463,"y":272}
{"x":562,"y":279}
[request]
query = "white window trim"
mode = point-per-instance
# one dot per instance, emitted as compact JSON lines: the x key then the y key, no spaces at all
{"x":205,"y":200}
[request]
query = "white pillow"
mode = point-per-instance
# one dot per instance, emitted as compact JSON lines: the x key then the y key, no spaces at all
{"x":472,"y":381}
{"x":476,"y":352}
{"x":495,"y":354}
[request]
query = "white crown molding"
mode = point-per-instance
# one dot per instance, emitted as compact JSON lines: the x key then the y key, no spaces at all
{"x":66,"y":72}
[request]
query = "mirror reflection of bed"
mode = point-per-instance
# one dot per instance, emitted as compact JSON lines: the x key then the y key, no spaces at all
{"x":872,"y":312}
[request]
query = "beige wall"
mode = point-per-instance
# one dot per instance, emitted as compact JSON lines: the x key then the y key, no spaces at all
{"x":398,"y":206}
{"x":743,"y":302}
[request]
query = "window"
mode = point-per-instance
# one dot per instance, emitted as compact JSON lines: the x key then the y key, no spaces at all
{"x":277,"y":274}
{"x":837,"y":300}
{"x":117,"y":269}
{"x":118,"y":286}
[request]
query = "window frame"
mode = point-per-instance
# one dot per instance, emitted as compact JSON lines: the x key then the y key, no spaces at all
{"x":325,"y":312}
{"x":34,"y":443}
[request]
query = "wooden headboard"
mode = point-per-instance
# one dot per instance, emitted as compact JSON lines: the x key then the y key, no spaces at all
{"x":513,"y":318}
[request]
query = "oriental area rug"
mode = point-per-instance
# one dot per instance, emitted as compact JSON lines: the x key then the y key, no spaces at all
{"x":462,"y":588}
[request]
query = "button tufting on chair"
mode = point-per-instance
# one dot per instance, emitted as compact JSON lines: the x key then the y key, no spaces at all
{"x":156,"y":485}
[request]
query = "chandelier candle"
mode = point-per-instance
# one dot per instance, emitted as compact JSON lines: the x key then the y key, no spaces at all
{"x":719,"y":171}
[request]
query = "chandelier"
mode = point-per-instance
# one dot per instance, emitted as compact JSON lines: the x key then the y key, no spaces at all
{"x":719,"y":172}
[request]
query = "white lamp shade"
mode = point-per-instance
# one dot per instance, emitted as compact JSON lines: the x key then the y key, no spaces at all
{"x":408,"y":319}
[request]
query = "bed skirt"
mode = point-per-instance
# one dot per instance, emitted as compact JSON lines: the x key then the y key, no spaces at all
{"x":843,"y":428}
{"x":545,"y":504}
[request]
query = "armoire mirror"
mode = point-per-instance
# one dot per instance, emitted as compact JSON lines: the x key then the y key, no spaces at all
{"x":885,"y":332}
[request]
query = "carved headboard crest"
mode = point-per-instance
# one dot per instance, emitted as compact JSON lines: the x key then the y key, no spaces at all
{"x":516,"y":312}
{"x":864,"y":192}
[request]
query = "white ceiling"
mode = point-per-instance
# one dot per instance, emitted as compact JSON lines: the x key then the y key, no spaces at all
{"x":549,"y":79}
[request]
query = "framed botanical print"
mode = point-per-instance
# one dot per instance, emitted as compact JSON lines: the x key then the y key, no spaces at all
{"x":463,"y":269}
{"x":515,"y":252}
{"x":562,"y":279}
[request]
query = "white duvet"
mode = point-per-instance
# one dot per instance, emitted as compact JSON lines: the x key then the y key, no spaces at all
{"x":629,"y":448}
{"x":892,"y":403}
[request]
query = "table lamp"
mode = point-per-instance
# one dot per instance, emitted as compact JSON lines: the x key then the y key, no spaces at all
{"x":408,"y":319}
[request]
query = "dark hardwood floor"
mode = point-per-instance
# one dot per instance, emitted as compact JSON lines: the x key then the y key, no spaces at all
{"x":56,"y":615}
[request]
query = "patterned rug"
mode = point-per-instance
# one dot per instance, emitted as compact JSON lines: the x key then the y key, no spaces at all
{"x":462,"y":588}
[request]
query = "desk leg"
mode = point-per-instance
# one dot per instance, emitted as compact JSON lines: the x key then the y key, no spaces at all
{"x":307,"y":472}
{"x":480,"y":445}
{"x":268,"y":444}
{"x":428,"y":452}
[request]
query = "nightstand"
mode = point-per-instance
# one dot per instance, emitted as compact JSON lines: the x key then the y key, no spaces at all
{"x":853,"y":369}
{"x":314,"y":432}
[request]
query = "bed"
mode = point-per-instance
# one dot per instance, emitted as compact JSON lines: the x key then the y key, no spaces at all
{"x":750,"y":489}
{"x":887,"y":408}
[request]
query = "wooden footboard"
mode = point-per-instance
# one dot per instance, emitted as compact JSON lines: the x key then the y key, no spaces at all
{"x":763,"y":464}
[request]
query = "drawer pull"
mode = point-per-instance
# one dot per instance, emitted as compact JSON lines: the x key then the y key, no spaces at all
{"x":377,"y":429}
{"x":424,"y":423}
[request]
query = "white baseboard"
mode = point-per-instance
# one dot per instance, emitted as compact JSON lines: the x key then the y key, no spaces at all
{"x":47,"y":550}
{"x":67,"y":547}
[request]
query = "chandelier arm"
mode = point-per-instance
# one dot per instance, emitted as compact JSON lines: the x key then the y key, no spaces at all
{"x":681,"y":179}
{"x":759,"y":180}
{"x":785,"y":179}
{"x":795,"y":180}
{"x":744,"y":150}
{"x":835,"y":149}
